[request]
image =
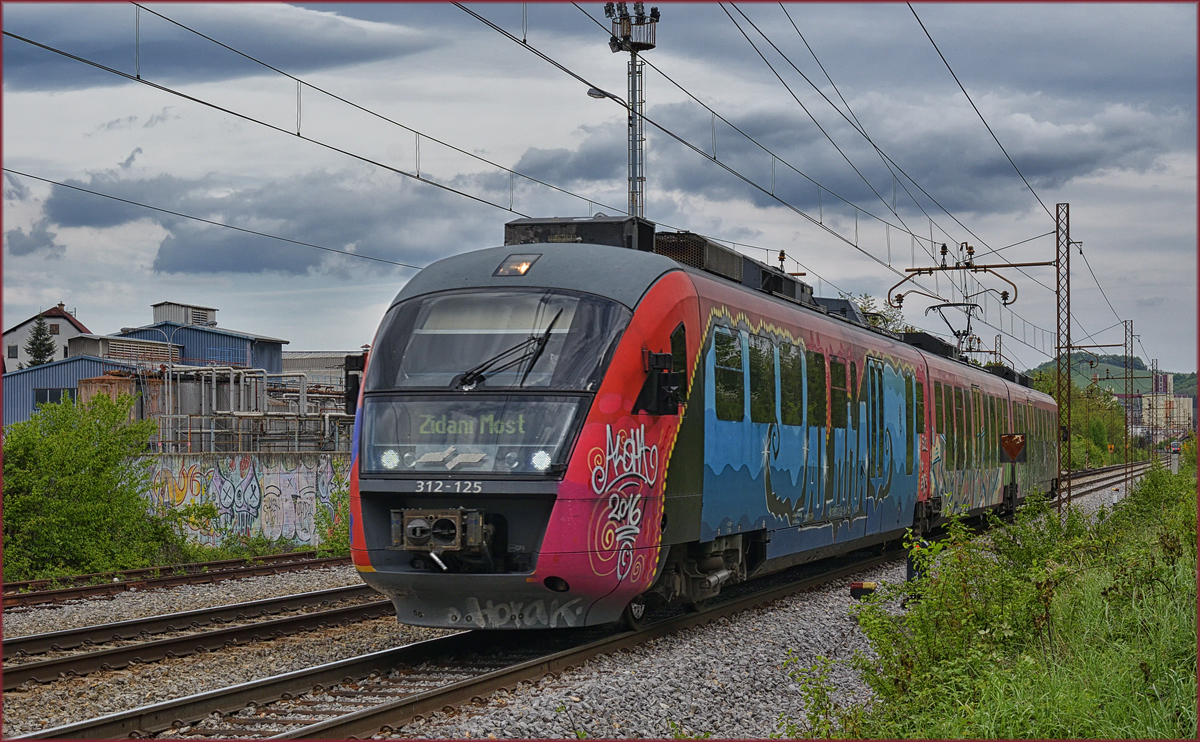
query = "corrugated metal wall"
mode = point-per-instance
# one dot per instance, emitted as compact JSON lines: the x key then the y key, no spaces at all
{"x":268,"y":356}
{"x":19,"y":385}
{"x":211,"y":347}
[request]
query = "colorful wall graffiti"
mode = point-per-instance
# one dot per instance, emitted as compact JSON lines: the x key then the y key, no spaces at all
{"x":275,"y":496}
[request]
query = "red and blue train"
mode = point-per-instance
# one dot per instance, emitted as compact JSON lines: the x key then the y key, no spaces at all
{"x":595,"y":417}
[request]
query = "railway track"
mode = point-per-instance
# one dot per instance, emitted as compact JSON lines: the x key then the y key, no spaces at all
{"x":364,"y":694}
{"x":382,"y":690}
{"x":1090,"y":481}
{"x":33,"y":592}
{"x":128,"y":642}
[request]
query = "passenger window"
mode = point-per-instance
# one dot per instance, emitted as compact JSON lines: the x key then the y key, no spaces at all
{"x":837,"y":393}
{"x":990,"y":438}
{"x":970,"y":429}
{"x":815,"y":367}
{"x":939,"y":409}
{"x":730,"y":390}
{"x":920,"y":407}
{"x":909,"y":423}
{"x":762,"y":379}
{"x":960,"y":430}
{"x":679,"y":358}
{"x":853,"y":396}
{"x":791,"y":383}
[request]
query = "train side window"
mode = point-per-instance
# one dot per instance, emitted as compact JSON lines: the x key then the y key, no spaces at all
{"x":920,"y":407}
{"x":853,"y":396}
{"x":837,"y":393}
{"x":1004,"y":426}
{"x":939,"y":409}
{"x":791,"y":385}
{"x":679,"y":350}
{"x":960,"y":430}
{"x":909,"y":422}
{"x":762,"y":379}
{"x":730,"y":391}
{"x":679,"y":358}
{"x":971,"y":428}
{"x":815,"y":363}
{"x":992,"y":438}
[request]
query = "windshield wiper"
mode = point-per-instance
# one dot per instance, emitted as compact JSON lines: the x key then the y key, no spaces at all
{"x":529,"y":348}
{"x":541,"y":345}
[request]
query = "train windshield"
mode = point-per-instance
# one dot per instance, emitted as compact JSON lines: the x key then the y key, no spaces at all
{"x":468,"y":434}
{"x":496,"y":339}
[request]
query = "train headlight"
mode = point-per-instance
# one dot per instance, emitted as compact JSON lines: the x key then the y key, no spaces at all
{"x":390,"y":459}
{"x":410,"y":459}
{"x":512,"y":460}
{"x":540,"y":461}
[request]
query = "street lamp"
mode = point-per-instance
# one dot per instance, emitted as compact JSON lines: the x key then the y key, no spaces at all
{"x":170,"y":356}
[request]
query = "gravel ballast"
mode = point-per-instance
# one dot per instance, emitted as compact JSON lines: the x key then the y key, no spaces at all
{"x":727,"y":679}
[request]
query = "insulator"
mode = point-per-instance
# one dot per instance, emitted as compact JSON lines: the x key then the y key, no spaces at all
{"x":609,"y":12}
{"x":654,"y":14}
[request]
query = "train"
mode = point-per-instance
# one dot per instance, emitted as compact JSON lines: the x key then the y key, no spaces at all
{"x":598,"y":417}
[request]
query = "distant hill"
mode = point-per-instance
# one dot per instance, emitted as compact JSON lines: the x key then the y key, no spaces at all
{"x":1114,"y":366}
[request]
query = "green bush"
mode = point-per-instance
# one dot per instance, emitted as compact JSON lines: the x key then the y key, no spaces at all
{"x":74,"y":494}
{"x":333,"y":525}
{"x":1050,"y":627}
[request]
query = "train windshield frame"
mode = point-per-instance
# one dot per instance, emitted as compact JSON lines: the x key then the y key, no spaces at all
{"x":497,"y":339}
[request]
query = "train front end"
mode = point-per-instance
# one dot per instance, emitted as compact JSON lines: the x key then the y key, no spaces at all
{"x":501,"y":478}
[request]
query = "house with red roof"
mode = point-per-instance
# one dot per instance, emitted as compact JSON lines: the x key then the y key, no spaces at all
{"x":63,"y":327}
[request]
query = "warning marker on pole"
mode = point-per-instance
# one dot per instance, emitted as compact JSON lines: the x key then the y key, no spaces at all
{"x":1013,"y":446}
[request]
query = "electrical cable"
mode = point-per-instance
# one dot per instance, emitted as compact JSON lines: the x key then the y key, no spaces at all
{"x":977,"y":111}
{"x":380,"y":116}
{"x":805,"y":108}
{"x":251,"y":119}
{"x":858,"y":127}
{"x":210,"y":221}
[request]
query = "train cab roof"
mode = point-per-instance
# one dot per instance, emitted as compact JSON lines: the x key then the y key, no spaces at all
{"x":617,"y":273}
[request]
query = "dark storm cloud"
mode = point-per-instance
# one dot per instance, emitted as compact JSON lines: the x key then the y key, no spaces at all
{"x":168,"y":54}
{"x":14,"y":189}
{"x":953,"y":148}
{"x":19,"y":242}
{"x":383,"y":217}
{"x":601,"y":155}
{"x":68,"y":207}
{"x":128,"y":162}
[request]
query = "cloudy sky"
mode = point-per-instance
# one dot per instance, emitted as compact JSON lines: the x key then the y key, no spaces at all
{"x":1095,"y":105}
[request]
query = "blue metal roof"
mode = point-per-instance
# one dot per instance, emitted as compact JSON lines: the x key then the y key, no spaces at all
{"x":19,"y":385}
{"x":212,"y":346}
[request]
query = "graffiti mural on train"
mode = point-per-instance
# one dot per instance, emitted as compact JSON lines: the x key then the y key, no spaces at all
{"x":275,"y":496}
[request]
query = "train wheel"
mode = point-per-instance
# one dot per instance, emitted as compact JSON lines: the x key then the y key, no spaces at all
{"x":634,"y":615}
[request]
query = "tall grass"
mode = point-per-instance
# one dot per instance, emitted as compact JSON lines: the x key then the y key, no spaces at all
{"x":1050,"y":627}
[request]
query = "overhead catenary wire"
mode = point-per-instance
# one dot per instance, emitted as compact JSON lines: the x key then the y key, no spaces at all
{"x":246,"y":117}
{"x":344,"y":152}
{"x":806,"y":111}
{"x":419,"y":134}
{"x":977,"y":111}
{"x":698,"y":150}
{"x":891,"y":163}
{"x":376,"y":114}
{"x":210,"y":221}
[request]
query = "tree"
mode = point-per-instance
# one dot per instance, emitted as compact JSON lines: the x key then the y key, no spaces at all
{"x":40,"y":347}
{"x":885,"y":318}
{"x":74,"y":492}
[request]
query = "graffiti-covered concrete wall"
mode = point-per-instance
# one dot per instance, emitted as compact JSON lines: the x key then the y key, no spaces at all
{"x":267,"y":494}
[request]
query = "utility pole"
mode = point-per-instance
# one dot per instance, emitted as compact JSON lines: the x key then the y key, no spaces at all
{"x":1128,"y":394}
{"x":1062,"y":380}
{"x":634,"y":33}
